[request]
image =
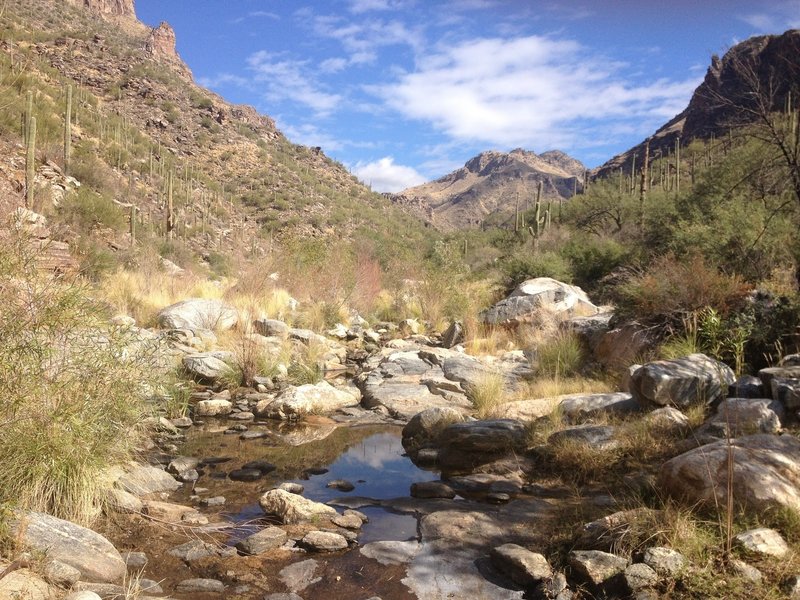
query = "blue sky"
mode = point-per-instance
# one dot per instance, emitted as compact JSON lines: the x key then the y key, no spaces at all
{"x":405,"y":91}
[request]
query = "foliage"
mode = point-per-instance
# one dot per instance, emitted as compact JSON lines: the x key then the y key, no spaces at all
{"x":560,"y":356}
{"x":486,"y":393}
{"x":543,"y":264}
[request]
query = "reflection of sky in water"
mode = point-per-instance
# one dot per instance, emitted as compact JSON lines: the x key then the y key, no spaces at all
{"x":377,"y":468}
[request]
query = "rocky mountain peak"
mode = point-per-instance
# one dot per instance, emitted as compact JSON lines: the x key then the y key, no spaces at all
{"x":161,"y":45}
{"x":111,"y":8}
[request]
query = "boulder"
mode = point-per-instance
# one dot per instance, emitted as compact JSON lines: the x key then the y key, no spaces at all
{"x":291,"y":508}
{"x":596,"y":436}
{"x":668,"y":419}
{"x":639,"y":576}
{"x":681,"y":382}
{"x":618,"y":348}
{"x":768,"y":374}
{"x":144,"y":479}
{"x":453,"y":335}
{"x":746,"y":386}
{"x":790,"y":360}
{"x":198,"y":313}
{"x":424,"y":427}
{"x":324,"y":541}
{"x":577,"y":407}
{"x":524,"y":567}
{"x":27,"y":585}
{"x":786,"y":391}
{"x":766,"y":473}
{"x":666,"y":562}
{"x":267,"y":539}
{"x":763,"y":541}
{"x":205,"y":366}
{"x":213,"y":407}
{"x":596,"y":567}
{"x":271,"y":327}
{"x":431,"y":489}
{"x":200,"y":586}
{"x":466,"y":445}
{"x":538,"y":299}
{"x":742,"y":416}
{"x":297,"y":402}
{"x":83,"y":549}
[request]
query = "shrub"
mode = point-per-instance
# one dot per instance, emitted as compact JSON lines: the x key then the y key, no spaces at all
{"x":560,"y":356}
{"x":73,"y":391}
{"x":592,"y":258}
{"x":545,"y":264}
{"x":486,"y":393}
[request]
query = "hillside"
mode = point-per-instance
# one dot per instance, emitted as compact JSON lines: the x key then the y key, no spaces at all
{"x":238,"y":183}
{"x":753,"y":77}
{"x":490,"y":185}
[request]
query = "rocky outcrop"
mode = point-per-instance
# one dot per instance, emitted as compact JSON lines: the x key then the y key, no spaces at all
{"x":160,"y":45}
{"x":108,"y":8}
{"x":681,"y":382}
{"x":537,"y":300}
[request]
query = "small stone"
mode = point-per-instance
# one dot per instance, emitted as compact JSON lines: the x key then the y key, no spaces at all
{"x":266,"y":539}
{"x":432,"y":489}
{"x":497,"y":498}
{"x":664,"y":561}
{"x":324,"y":541}
{"x":61,"y":574}
{"x":763,"y":541}
{"x":201,"y":586}
{"x":341,"y":484}
{"x":291,"y":487}
{"x":355,"y":513}
{"x":347,"y":521}
{"x":242,"y":416}
{"x":245,"y":474}
{"x":639,"y":576}
{"x":742,"y":569}
{"x":253,"y":435}
{"x":260,"y":465}
{"x":524,"y":567}
{"x":596,"y":566}
{"x":182,"y":422}
{"x":135,"y":560}
{"x":214,"y":501}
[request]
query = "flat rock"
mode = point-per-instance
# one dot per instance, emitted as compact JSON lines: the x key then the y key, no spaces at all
{"x":140,"y":480}
{"x":596,"y":567}
{"x":743,"y":416}
{"x":267,"y":539}
{"x":763,"y":541}
{"x":466,"y":445}
{"x":666,"y":562}
{"x":424,"y":427}
{"x":391,"y":552}
{"x":324,"y":541}
{"x":166,"y":511}
{"x":577,"y":407}
{"x":596,"y":436}
{"x":83,"y":549}
{"x":432,"y":489}
{"x":291,"y":508}
{"x":682,"y":382}
{"x":198,"y":313}
{"x":205,"y":366}
{"x":200,"y":586}
{"x":524,"y":567}
{"x":347,"y":521}
{"x":298,"y":576}
{"x":766,"y":473}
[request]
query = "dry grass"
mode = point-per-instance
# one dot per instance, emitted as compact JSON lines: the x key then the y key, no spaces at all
{"x":486,"y":393}
{"x":550,"y":387}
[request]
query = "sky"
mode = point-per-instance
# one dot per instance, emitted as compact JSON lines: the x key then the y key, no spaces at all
{"x":405,"y":91}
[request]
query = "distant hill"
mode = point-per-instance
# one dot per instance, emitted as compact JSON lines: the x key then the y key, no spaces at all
{"x":490,"y":185}
{"x":760,"y":69}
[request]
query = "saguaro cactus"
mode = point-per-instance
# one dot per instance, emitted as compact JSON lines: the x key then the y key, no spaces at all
{"x":538,"y":221}
{"x":68,"y":130}
{"x":170,"y":215}
{"x":29,"y":162}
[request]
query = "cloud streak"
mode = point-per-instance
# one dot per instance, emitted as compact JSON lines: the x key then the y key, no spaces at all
{"x":386,"y":176}
{"x":527,"y":90}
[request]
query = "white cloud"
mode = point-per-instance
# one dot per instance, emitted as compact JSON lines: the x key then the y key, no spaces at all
{"x":333,"y":65}
{"x":309,"y":134}
{"x":527,"y":91}
{"x":386,"y":176}
{"x":286,"y":79}
{"x":780,"y":17}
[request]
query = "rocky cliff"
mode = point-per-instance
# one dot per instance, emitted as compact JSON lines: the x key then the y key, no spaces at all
{"x":491,"y":185}
{"x":112,"y":8}
{"x":755,"y":74}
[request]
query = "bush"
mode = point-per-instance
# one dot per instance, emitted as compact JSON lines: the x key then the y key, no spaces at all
{"x":73,"y":391}
{"x":560,"y":356}
{"x":592,"y":258}
{"x":544,"y":264}
{"x":486,"y":393}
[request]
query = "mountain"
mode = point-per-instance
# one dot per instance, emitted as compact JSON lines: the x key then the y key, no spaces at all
{"x":137,"y":115}
{"x":758,"y":73}
{"x":490,"y":185}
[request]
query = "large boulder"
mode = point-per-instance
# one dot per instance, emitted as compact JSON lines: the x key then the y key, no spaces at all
{"x":472,"y":443}
{"x":424,"y":428}
{"x":297,"y":402}
{"x":537,"y":299}
{"x":83,"y":549}
{"x":198,"y":313}
{"x":145,"y":479}
{"x":681,"y":382}
{"x":742,"y":416}
{"x":291,"y":508}
{"x":207,"y":366}
{"x":765,"y":471}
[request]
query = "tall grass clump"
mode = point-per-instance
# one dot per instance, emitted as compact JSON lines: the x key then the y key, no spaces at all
{"x":73,"y":390}
{"x":487,"y":392}
{"x":560,"y":356}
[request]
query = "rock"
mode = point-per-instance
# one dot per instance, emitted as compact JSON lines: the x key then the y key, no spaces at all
{"x":791,"y":587}
{"x":639,"y":576}
{"x":245,"y":474}
{"x":86,"y":595}
{"x":195,"y":550}
{"x":300,"y":575}
{"x":167,"y":511}
{"x":746,"y":386}
{"x":763,"y":541}
{"x":291,"y":487}
{"x":596,"y":567}
{"x":391,"y":552}
{"x":618,"y":348}
{"x":790,"y":360}
{"x":291,"y":508}
{"x":213,"y":501}
{"x":198,"y":313}
{"x":124,"y":502}
{"x":324,"y":541}
{"x":271,"y":327}
{"x":425,"y":427}
{"x":266,"y":539}
{"x":200,"y":586}
{"x":742,"y":569}
{"x":409,"y":327}
{"x":786,"y":391}
{"x":135,"y":560}
{"x":453,"y":335}
{"x":555,"y":588}
{"x":61,"y":574}
{"x":577,"y":407}
{"x":466,"y":445}
{"x":205,"y":366}
{"x":768,"y":374}
{"x":297,"y":402}
{"x":283,"y":596}
{"x":25,"y":584}
{"x":539,"y":299}
{"x":213,"y":408}
{"x":681,"y":382}
{"x":432,"y":489}
{"x":744,"y":416}
{"x":526,"y":410}
{"x":347,"y":521}
{"x":341,"y":484}
{"x":83,"y":549}
{"x":666,"y":562}
{"x":264,"y":466}
{"x":144,"y":479}
{"x":182,"y":464}
{"x":606,"y":533}
{"x":596,"y":436}
{"x":524,"y":567}
{"x":766,"y":473}
{"x":668,"y":418}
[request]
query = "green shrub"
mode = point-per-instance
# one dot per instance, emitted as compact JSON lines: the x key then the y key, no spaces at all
{"x":560,"y":356}
{"x":544,"y":264}
{"x":592,"y":258}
